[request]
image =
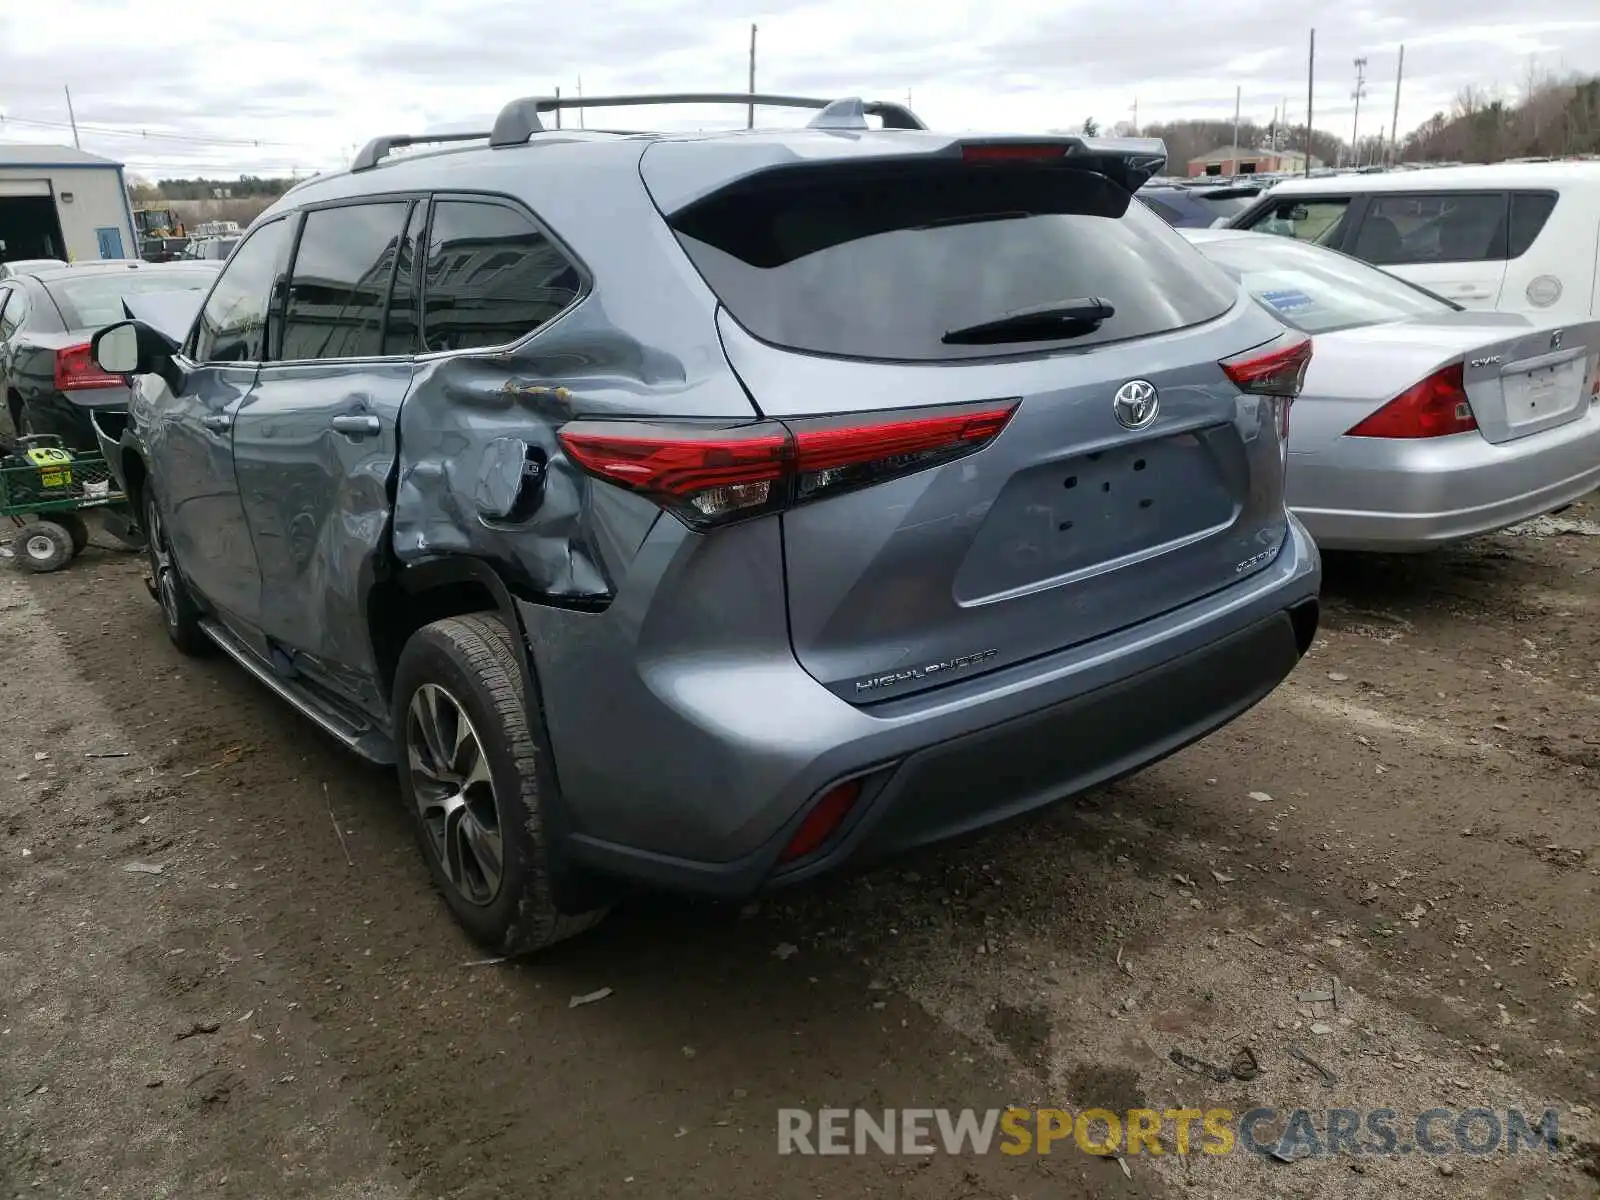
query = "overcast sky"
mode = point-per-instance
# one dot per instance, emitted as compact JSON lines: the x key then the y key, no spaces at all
{"x":310,"y":80}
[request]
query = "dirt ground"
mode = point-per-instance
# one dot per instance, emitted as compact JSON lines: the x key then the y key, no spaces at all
{"x":284,"y":1012}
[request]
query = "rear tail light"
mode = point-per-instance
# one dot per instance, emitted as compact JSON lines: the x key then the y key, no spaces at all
{"x":1435,"y":407}
{"x":76,"y":371}
{"x":1277,"y":370}
{"x":823,"y":819}
{"x":709,"y":475}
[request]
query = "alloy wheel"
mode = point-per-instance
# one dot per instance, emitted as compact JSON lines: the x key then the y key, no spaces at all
{"x":166,"y":579}
{"x":454,"y":791}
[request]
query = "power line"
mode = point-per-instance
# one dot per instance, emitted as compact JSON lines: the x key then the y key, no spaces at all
{"x":144,"y":134}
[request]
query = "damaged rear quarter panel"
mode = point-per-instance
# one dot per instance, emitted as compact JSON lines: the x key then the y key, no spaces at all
{"x":641,"y":341}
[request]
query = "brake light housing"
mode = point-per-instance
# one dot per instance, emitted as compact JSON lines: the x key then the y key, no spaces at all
{"x":75,"y":371}
{"x":1012,"y":152}
{"x":1277,"y":371}
{"x":1433,"y":407}
{"x":714,"y":474}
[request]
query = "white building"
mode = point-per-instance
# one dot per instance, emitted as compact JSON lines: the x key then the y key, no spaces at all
{"x":57,"y":202}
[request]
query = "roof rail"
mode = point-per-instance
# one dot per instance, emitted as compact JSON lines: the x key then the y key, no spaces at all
{"x":379,"y":147}
{"x":519,"y":120}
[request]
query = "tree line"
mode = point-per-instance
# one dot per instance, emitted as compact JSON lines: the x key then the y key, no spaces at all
{"x":1547,"y":116}
{"x":244,"y":187}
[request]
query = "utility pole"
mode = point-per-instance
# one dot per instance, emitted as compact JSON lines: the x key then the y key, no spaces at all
{"x":1238,"y":95}
{"x":1394,"y":126}
{"x":72,"y":118}
{"x":558,"y":108}
{"x":580,"y":101}
{"x":1355,"y":122}
{"x":1136,"y":116}
{"x":750,"y":114}
{"x":1311,"y":87}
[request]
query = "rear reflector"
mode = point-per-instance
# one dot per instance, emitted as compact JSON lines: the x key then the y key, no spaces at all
{"x":990,"y":152}
{"x":708,"y":475}
{"x":1436,"y":407}
{"x":76,"y":371}
{"x":1278,"y":369}
{"x":822,"y":820}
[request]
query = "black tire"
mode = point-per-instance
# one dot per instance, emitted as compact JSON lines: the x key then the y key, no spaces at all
{"x":42,"y":547}
{"x":178,"y":610}
{"x":470,"y":662}
{"x":76,"y":526}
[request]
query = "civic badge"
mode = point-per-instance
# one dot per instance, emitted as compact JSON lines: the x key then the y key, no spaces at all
{"x":1136,"y":404}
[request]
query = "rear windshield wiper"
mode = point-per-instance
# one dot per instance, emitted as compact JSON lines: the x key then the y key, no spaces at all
{"x":1042,"y":322}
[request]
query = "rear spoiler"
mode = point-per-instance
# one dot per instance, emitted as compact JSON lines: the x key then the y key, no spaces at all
{"x":680,"y":173}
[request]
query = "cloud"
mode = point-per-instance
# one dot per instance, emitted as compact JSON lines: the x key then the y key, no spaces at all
{"x":298,"y":85}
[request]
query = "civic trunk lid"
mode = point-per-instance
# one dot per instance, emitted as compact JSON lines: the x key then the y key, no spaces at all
{"x":1532,"y":380}
{"x":1132,"y":475}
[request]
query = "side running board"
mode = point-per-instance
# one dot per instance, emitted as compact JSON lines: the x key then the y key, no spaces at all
{"x":374,"y":745}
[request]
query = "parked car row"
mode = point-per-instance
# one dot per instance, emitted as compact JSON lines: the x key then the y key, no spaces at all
{"x":709,"y":512}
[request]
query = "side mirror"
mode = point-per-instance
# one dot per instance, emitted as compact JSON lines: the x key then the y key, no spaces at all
{"x":115,"y":349}
{"x":131,"y":348}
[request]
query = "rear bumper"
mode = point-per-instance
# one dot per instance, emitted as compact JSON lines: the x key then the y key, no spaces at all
{"x":1401,"y":495}
{"x":707,"y":798}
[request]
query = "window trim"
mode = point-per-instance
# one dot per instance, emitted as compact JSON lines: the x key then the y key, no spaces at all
{"x":409,"y":200}
{"x":585,"y":275}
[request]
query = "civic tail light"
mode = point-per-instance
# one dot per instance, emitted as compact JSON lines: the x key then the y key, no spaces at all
{"x":709,"y":475}
{"x":1435,"y":407}
{"x":76,"y":371}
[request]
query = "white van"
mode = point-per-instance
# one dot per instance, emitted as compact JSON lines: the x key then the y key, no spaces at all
{"x":1523,"y":237}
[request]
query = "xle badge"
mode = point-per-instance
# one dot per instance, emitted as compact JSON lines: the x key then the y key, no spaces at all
{"x":873,"y":682}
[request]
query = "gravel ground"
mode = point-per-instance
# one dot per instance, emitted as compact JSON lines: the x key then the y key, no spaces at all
{"x":281,"y":1011}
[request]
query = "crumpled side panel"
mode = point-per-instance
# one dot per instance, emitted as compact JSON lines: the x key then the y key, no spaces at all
{"x":481,"y":471}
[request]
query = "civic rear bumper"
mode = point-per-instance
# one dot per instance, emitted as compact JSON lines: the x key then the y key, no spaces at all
{"x":1409,"y":495}
{"x":707,"y":799}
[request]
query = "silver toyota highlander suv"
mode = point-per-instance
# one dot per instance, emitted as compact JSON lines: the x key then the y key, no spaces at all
{"x":705,"y":511}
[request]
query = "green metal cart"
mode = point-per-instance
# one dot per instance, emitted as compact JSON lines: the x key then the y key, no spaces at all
{"x":45,"y":490}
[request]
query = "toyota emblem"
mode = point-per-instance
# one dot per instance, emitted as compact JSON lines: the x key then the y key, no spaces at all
{"x":1136,"y":404}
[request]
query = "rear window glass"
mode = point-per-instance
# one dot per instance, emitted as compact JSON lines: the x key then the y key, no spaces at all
{"x":1316,"y":290}
{"x":95,"y":300}
{"x":1529,"y":212}
{"x":882,"y":265}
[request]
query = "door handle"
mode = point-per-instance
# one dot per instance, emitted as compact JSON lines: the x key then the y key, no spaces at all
{"x":217,"y":422}
{"x":356,"y":425}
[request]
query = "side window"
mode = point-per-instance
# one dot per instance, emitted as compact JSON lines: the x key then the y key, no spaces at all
{"x":1444,"y":227}
{"x":233,"y":324}
{"x":1319,"y":220}
{"x":340,"y":281}
{"x":1529,"y":212}
{"x":491,"y":277}
{"x":400,"y":331}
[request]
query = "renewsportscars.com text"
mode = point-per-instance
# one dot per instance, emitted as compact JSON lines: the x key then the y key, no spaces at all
{"x":1282,"y":1133}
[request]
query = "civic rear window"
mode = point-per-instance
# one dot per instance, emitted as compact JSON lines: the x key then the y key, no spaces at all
{"x":882,"y":264}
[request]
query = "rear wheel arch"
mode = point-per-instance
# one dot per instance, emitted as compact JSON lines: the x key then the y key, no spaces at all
{"x":415,"y":597}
